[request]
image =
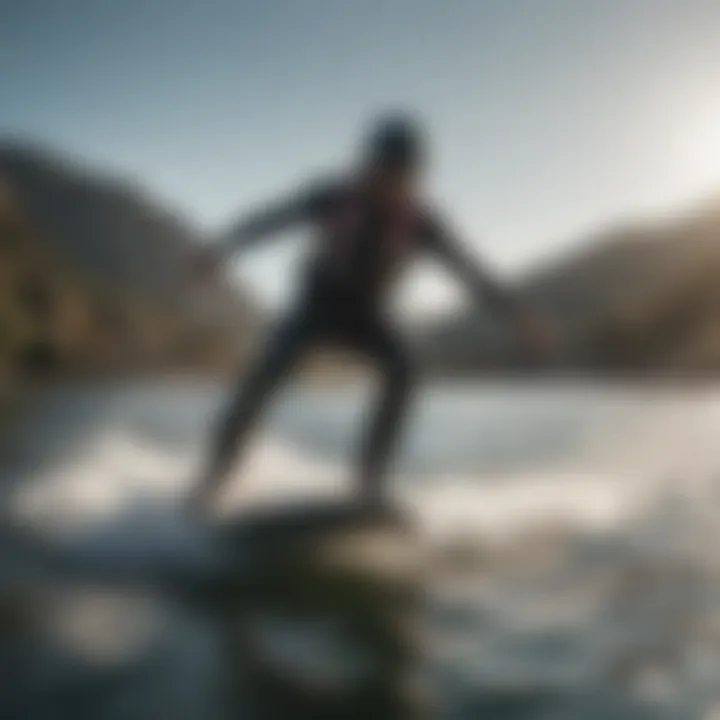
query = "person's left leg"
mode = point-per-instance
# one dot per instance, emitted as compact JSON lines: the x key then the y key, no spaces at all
{"x":269,"y":371}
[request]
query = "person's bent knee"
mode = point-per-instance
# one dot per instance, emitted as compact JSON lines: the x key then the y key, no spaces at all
{"x":401,"y":375}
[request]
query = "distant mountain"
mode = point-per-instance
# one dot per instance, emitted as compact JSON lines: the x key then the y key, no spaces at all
{"x":70,"y":236}
{"x":642,"y":298}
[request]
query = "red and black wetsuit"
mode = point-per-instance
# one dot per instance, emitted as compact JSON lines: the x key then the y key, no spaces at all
{"x":360,"y":250}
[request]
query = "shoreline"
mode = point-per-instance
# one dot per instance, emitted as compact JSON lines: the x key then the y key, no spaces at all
{"x":13,"y":400}
{"x":19,"y":395}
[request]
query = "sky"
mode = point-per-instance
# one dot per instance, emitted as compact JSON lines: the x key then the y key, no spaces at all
{"x":548,"y":118}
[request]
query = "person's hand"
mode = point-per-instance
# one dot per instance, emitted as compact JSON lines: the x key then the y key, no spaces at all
{"x":206,"y":264}
{"x":200,"y":504}
{"x":540,"y":335}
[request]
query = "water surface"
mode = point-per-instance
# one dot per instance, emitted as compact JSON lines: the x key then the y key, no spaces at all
{"x":574,"y":529}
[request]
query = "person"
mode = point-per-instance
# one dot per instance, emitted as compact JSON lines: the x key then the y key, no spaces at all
{"x":369,"y":222}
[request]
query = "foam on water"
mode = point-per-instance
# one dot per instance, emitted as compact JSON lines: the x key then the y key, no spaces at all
{"x":114,"y":469}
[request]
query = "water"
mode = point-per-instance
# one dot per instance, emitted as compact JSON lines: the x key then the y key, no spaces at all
{"x":573,"y":531}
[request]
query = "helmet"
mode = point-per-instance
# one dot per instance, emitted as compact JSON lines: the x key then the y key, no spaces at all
{"x":396,"y":141}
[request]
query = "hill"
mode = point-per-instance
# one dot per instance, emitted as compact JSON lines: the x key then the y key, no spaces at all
{"x":642,"y":298}
{"x":96,"y":276}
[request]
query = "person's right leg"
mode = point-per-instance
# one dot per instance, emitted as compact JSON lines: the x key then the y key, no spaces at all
{"x":378,"y":341}
{"x":250,"y":399}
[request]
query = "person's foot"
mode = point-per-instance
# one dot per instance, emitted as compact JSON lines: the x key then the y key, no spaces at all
{"x":377,"y":503}
{"x":371,"y":497}
{"x":380,"y":509}
{"x":199,"y":504}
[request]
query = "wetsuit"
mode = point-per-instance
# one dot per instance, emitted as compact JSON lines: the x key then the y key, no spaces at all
{"x":342,"y":302}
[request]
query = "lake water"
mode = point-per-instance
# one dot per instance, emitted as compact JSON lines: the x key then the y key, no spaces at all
{"x":575,"y":530}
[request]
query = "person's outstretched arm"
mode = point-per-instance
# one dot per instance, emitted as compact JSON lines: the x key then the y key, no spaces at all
{"x":487,"y":289}
{"x":270,"y":220}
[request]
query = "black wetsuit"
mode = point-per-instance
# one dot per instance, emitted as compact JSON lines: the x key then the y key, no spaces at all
{"x":342,"y":302}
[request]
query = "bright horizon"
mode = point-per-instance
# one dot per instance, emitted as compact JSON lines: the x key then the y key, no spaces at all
{"x":549,"y":118}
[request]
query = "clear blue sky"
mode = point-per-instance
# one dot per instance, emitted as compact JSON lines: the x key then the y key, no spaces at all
{"x":549,"y":117}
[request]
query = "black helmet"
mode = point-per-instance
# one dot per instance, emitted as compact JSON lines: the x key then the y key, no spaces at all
{"x":396,"y":141}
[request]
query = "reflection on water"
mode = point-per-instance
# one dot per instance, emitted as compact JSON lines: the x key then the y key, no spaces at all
{"x":572,"y":533}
